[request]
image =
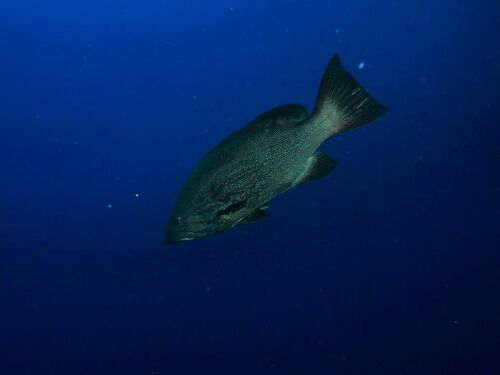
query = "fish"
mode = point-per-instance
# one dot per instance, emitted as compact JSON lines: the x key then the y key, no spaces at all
{"x":277,"y":151}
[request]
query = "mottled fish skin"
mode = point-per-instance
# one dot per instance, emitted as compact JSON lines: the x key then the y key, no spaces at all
{"x":270,"y":155}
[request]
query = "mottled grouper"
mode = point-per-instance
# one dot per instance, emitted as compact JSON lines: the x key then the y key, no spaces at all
{"x":275,"y":152}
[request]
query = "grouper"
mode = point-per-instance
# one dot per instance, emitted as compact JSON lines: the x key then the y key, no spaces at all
{"x":276,"y":152}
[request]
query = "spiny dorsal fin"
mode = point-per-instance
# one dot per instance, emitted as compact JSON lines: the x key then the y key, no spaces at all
{"x":285,"y":113}
{"x":319,"y":165}
{"x":275,"y":119}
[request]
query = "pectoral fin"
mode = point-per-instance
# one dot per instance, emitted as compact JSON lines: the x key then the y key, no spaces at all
{"x":233,"y":208}
{"x":259,"y":214}
{"x":319,"y":165}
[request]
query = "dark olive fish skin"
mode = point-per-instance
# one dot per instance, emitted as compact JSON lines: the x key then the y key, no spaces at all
{"x":275,"y":152}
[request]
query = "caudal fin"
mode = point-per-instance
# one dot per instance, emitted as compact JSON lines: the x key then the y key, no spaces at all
{"x":342,"y":103}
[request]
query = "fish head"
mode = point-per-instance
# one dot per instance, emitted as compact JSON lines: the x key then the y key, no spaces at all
{"x":187,"y":226}
{"x":206,"y":205}
{"x":192,"y":223}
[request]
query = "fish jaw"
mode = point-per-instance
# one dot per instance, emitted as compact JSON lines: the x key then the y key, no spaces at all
{"x":175,"y":237}
{"x":184,"y":228}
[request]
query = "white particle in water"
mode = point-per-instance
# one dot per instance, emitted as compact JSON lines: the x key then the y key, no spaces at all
{"x":361,"y":65}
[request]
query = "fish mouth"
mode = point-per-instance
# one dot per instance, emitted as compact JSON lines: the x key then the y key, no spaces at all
{"x":184,"y":236}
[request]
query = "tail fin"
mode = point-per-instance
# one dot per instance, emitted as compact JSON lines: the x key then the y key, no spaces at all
{"x":342,"y":103}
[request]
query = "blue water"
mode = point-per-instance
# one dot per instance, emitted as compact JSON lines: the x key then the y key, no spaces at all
{"x":387,"y":266}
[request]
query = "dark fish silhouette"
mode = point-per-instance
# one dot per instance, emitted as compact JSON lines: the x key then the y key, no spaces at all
{"x":277,"y":151}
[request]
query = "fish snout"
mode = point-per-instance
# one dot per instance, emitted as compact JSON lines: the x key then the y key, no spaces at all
{"x":182,"y":230}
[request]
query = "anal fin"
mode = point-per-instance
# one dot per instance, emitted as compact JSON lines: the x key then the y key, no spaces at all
{"x":319,"y":165}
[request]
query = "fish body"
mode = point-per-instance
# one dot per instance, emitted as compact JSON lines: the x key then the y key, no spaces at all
{"x":277,"y":151}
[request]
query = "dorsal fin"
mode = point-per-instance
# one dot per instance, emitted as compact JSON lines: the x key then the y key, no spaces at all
{"x":275,"y":119}
{"x":285,"y":113}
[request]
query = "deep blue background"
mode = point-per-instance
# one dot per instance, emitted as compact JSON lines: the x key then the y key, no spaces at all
{"x":389,"y":265}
